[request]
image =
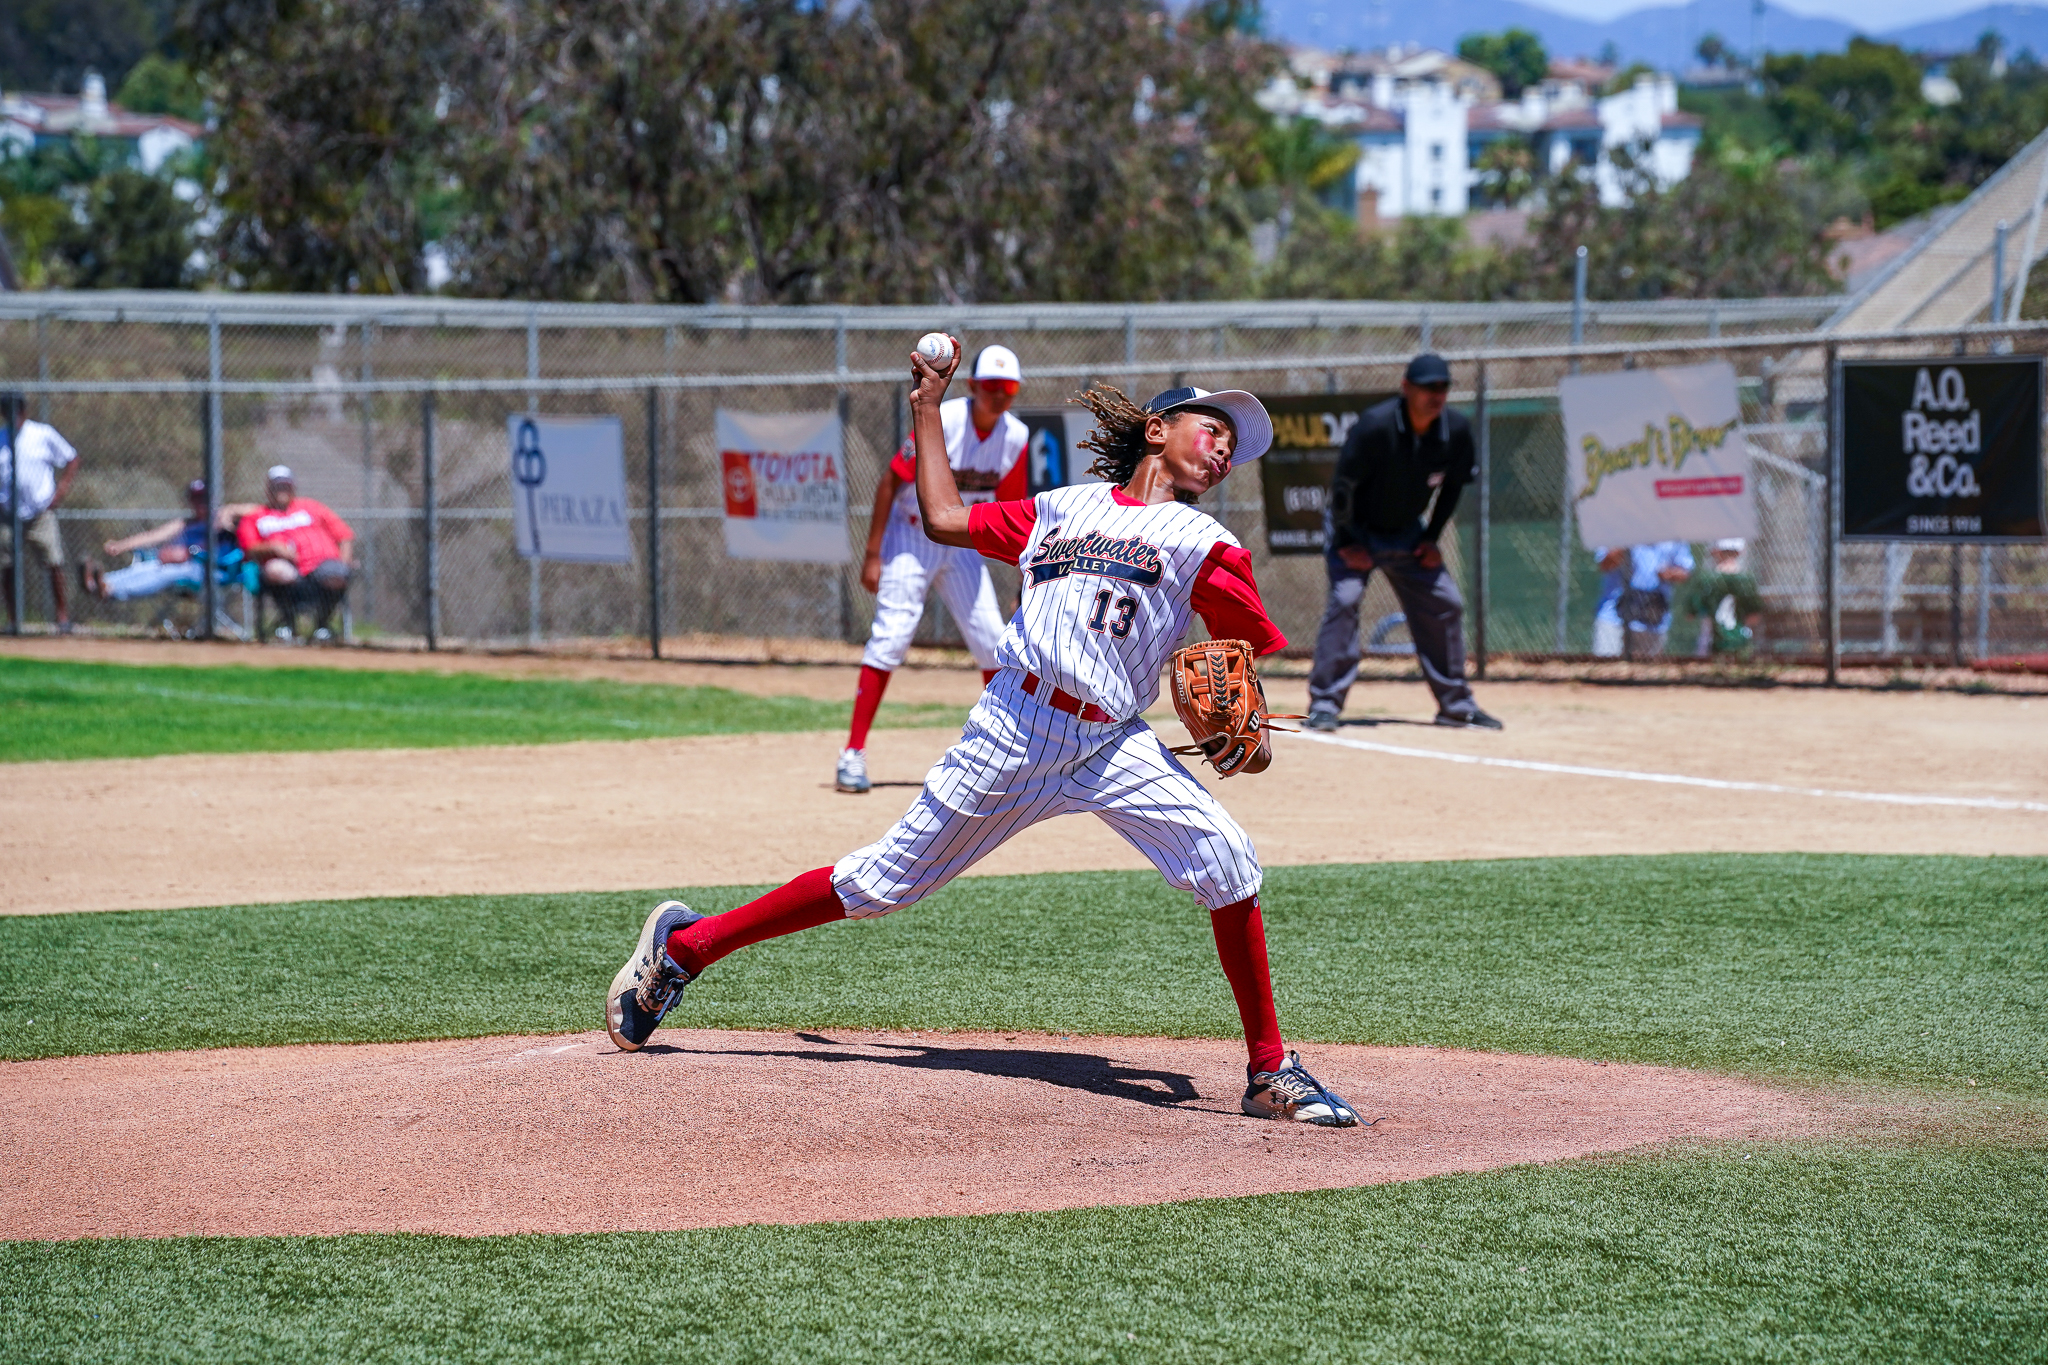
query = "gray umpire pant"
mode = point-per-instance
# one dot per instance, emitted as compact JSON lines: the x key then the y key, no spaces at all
{"x":1436,"y":622}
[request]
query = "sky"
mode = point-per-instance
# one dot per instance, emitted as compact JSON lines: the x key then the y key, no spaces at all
{"x":1870,"y":15}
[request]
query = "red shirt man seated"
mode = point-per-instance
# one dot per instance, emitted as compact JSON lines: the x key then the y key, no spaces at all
{"x":299,"y":542}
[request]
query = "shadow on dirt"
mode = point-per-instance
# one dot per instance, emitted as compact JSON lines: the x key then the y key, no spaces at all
{"x":1072,"y":1070}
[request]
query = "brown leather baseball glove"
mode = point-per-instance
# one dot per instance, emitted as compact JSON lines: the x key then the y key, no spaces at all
{"x":1216,"y":691}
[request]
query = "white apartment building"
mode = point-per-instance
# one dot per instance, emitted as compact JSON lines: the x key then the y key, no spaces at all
{"x":1421,"y":132}
{"x":28,"y":121}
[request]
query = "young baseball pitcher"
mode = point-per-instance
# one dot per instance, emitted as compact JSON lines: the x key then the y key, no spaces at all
{"x":1112,"y":574}
{"x":985,"y":448}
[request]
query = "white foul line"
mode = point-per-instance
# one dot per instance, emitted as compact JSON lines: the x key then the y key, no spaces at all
{"x":1676,"y":779}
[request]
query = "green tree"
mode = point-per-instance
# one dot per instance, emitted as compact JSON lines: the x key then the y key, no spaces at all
{"x":51,"y":44}
{"x":1326,"y":257}
{"x":1507,"y":172}
{"x":1516,"y":56}
{"x":130,"y":231}
{"x":1713,"y":51}
{"x":161,"y":85}
{"x":329,"y":132}
{"x":1736,"y":227}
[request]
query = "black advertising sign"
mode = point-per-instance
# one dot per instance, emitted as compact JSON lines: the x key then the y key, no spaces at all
{"x":1049,"y":458}
{"x":1308,"y":433}
{"x":1943,"y":450}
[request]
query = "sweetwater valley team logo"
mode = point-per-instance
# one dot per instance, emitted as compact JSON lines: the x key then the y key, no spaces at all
{"x":1127,"y":558}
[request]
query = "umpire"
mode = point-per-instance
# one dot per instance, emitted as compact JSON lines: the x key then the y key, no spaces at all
{"x":1399,"y":455}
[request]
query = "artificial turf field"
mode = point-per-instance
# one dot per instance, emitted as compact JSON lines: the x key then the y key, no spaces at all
{"x":1898,"y":980}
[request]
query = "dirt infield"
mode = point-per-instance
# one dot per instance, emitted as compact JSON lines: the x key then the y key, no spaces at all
{"x":193,"y":830}
{"x":565,"y":1134}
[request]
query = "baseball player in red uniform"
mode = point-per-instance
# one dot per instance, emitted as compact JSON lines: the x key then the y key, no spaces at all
{"x":985,"y":448}
{"x":1113,"y":573}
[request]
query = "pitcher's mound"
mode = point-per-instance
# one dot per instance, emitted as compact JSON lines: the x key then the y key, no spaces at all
{"x":566,"y":1134}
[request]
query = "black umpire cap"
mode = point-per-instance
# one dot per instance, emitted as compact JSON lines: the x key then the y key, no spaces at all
{"x":1428,"y":368}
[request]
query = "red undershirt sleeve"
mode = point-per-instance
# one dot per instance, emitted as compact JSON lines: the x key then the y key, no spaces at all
{"x":1001,"y":530}
{"x":1017,"y":483}
{"x":1226,"y":597}
{"x":904,"y":466}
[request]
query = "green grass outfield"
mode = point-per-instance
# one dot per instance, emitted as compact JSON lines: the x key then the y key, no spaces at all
{"x":1906,"y":978}
{"x":70,"y":711}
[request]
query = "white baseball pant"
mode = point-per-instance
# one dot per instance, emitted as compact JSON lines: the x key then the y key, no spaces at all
{"x":1019,"y":762}
{"x":912,"y":565}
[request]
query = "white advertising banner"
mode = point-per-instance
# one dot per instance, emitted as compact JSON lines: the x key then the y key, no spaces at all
{"x":1657,"y":455}
{"x":785,"y":486}
{"x":569,"y":489}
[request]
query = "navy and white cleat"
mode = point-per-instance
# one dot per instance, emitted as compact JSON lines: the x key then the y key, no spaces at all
{"x":1291,"y":1093}
{"x":651,"y":981}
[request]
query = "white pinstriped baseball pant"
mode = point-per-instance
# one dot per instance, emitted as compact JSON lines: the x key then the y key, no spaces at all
{"x":1019,"y":762}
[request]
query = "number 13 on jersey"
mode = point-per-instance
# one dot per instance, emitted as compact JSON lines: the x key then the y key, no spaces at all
{"x":1126,"y":608}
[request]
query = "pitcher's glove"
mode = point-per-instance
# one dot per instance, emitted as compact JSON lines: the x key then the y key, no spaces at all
{"x":1216,"y":691}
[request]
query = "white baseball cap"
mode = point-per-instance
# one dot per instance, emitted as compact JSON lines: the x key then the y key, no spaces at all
{"x":998,"y":362}
{"x":1247,"y":414}
{"x":1733,"y":545}
{"x":280,"y":473}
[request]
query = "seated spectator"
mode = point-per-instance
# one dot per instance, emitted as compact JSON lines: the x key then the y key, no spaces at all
{"x":180,"y":546}
{"x":1726,"y":601}
{"x":49,"y":465}
{"x":302,"y":550}
{"x":1634,"y":615}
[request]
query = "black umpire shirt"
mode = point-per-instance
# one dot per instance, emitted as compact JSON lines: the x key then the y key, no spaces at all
{"x":1386,"y":475}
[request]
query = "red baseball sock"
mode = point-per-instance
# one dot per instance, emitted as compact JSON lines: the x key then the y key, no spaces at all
{"x":988,"y":675}
{"x":803,"y":904}
{"x":1241,"y":946}
{"x":866,"y":698}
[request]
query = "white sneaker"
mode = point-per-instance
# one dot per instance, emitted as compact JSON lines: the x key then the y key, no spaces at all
{"x":853,"y":771}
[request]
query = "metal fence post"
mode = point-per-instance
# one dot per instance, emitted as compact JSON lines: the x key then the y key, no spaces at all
{"x":42,"y":367}
{"x":533,"y":405}
{"x":210,"y":599}
{"x":430,"y":512}
{"x":368,"y":540}
{"x":1482,"y":533}
{"x":654,"y":522}
{"x":1831,"y":604}
{"x":1564,"y":516}
{"x":1983,"y":601}
{"x":1955,"y":606}
{"x":17,"y":599}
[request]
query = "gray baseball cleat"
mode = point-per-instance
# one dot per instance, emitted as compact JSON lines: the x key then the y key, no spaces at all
{"x":853,"y":771}
{"x":1291,"y":1093}
{"x":1321,"y":716}
{"x":651,"y":981}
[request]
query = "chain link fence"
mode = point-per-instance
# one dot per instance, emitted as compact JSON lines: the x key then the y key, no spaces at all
{"x":342,"y":396}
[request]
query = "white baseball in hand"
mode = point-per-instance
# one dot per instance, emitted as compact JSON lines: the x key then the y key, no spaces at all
{"x":936,"y":348}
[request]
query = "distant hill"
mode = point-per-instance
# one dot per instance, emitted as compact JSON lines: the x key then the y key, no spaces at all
{"x":1663,"y":35}
{"x":2022,"y":26}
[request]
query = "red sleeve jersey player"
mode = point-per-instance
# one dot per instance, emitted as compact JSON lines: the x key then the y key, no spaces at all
{"x":985,"y":449}
{"x":1113,"y":575}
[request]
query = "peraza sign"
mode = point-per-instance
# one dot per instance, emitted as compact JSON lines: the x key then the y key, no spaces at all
{"x":1308,"y":434}
{"x":1942,"y":450}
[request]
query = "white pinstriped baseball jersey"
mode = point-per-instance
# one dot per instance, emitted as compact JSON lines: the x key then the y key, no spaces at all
{"x":981,"y":466}
{"x":1110,"y":587}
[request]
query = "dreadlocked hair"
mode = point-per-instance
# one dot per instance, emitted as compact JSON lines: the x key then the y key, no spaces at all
{"x":1119,"y":436}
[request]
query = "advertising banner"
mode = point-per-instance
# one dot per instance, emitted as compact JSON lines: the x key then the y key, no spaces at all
{"x":785,"y":486}
{"x":1049,"y":454}
{"x":1657,"y":455}
{"x":1944,"y":450}
{"x":1308,"y":433}
{"x":569,"y":489}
